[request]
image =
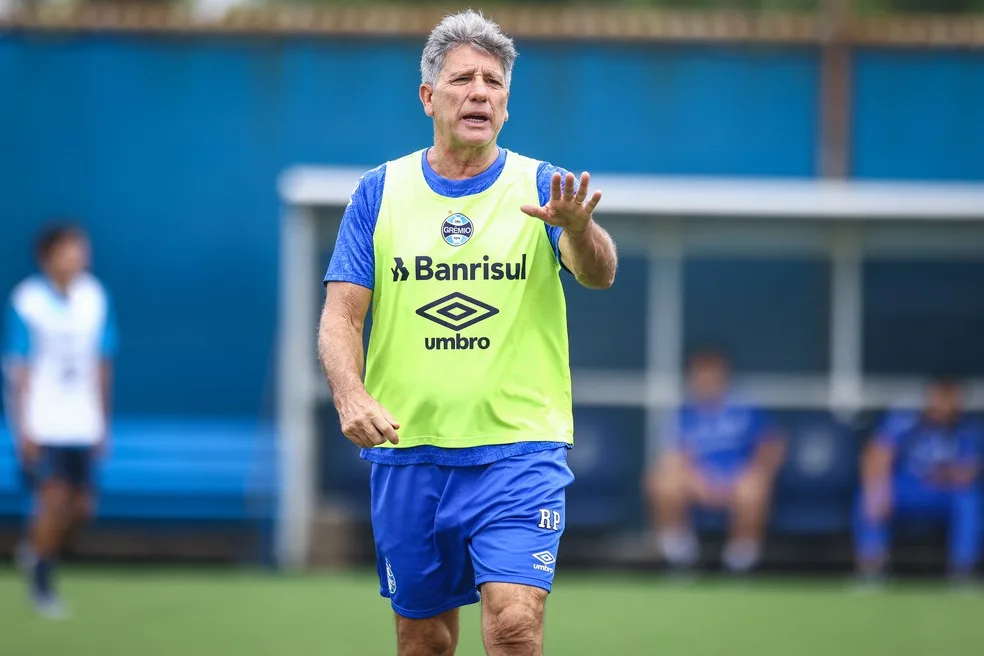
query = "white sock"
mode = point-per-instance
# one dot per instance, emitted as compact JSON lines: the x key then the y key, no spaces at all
{"x":680,"y":548}
{"x":741,"y":555}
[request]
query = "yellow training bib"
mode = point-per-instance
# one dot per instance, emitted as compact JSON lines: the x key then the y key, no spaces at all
{"x":469,"y":322}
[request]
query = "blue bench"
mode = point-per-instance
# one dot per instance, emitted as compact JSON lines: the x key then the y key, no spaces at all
{"x":198,"y":470}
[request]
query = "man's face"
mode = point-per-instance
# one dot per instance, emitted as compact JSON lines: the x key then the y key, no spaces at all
{"x":67,"y":259}
{"x":943,"y":402}
{"x":468,"y":102}
{"x":708,"y":379}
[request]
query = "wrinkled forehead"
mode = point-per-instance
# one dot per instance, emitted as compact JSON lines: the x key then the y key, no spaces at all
{"x":469,"y":58}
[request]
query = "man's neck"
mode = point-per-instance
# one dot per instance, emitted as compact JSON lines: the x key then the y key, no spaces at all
{"x":461,"y":164}
{"x":59,"y":285}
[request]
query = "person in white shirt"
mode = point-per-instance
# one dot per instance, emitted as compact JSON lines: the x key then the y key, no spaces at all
{"x":60,"y":339}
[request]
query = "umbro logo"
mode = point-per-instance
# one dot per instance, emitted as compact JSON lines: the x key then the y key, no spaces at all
{"x":457,"y":311}
{"x":545,"y":557}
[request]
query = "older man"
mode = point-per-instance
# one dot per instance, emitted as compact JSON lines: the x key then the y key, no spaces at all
{"x":465,"y":409}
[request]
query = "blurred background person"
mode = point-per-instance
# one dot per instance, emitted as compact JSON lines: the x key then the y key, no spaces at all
{"x":60,"y":339}
{"x":922,"y":465}
{"x":720,"y":454}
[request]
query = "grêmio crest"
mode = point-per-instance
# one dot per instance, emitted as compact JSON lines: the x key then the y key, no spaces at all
{"x":457,"y":229}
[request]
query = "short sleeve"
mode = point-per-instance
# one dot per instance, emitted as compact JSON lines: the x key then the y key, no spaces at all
{"x":111,"y":336}
{"x":893,"y":427}
{"x":544,"y":175}
{"x":17,"y":336}
{"x":353,"y":259}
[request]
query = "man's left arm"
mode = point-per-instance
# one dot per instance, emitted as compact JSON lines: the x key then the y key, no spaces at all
{"x":965,"y":471}
{"x":586,"y":249}
{"x":770,"y":449}
{"x":590,"y":255}
{"x":108,"y":348}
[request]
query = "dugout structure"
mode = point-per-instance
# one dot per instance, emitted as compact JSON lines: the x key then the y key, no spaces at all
{"x":667,"y":222}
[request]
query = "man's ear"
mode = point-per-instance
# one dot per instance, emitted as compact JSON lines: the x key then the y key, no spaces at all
{"x":426,"y":99}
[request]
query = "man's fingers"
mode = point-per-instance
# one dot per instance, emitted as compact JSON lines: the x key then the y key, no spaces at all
{"x":359,"y":439}
{"x":555,"y":187}
{"x":541,"y":213}
{"x":363,"y":432}
{"x":569,"y":187}
{"x":385,"y":430}
{"x":593,"y":203}
{"x":388,"y":417}
{"x":582,"y":190}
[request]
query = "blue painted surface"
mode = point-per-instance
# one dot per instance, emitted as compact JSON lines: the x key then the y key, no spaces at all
{"x":918,"y":115}
{"x":217,"y":470}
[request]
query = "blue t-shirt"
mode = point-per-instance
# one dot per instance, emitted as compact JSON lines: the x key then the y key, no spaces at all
{"x":353,"y":261}
{"x":721,"y":439}
{"x":920,"y":446}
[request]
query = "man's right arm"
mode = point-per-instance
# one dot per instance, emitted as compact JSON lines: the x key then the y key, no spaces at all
{"x":16,"y":352}
{"x":876,"y":466}
{"x":363,"y":420}
{"x":348,"y":293}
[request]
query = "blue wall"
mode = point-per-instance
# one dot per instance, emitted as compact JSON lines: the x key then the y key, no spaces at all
{"x":169,"y":149}
{"x":919,"y":115}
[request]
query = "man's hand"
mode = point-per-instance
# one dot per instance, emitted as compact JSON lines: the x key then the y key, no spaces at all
{"x":877,"y":499}
{"x":565,"y":209}
{"x":365,"y":422}
{"x":27,"y":450}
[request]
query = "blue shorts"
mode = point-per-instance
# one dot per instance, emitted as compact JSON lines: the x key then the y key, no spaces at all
{"x":441,"y":532}
{"x":72,"y":465}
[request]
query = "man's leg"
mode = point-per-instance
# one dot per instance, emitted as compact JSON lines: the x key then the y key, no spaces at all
{"x":421,"y":555}
{"x":516,"y":511}
{"x":434,"y":636}
{"x":964,"y":531}
{"x":667,"y":487}
{"x":512,"y":619}
{"x":80,"y":475}
{"x":51,"y":522}
{"x":871,"y":538}
{"x":749,"y":512}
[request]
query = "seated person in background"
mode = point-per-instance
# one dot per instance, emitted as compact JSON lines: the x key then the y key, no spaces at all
{"x":922,"y":464}
{"x":717,"y":454}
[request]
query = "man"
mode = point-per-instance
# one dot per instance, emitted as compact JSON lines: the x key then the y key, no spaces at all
{"x":922,"y":465}
{"x":465,"y":412}
{"x":718,"y":454}
{"x":60,"y":338}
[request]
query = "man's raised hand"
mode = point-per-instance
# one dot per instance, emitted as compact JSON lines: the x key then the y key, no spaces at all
{"x":567,"y":208}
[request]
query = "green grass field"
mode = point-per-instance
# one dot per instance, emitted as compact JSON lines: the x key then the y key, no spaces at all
{"x":189,"y":613}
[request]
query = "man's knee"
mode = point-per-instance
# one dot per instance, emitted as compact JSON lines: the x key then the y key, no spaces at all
{"x":82,"y":507}
{"x":751,"y":493}
{"x":435,"y":636}
{"x":514,"y":616}
{"x":665,"y":483}
{"x":56,"y":499}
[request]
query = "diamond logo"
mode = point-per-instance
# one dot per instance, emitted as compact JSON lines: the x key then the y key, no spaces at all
{"x":457,"y":311}
{"x":545,"y":557}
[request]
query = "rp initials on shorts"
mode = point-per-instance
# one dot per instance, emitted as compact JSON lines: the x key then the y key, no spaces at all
{"x":549,"y":519}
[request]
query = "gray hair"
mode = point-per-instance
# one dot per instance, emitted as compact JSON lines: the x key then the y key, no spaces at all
{"x":467,"y":28}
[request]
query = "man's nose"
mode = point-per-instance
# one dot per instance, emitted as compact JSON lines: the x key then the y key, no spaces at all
{"x":479,"y":90}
